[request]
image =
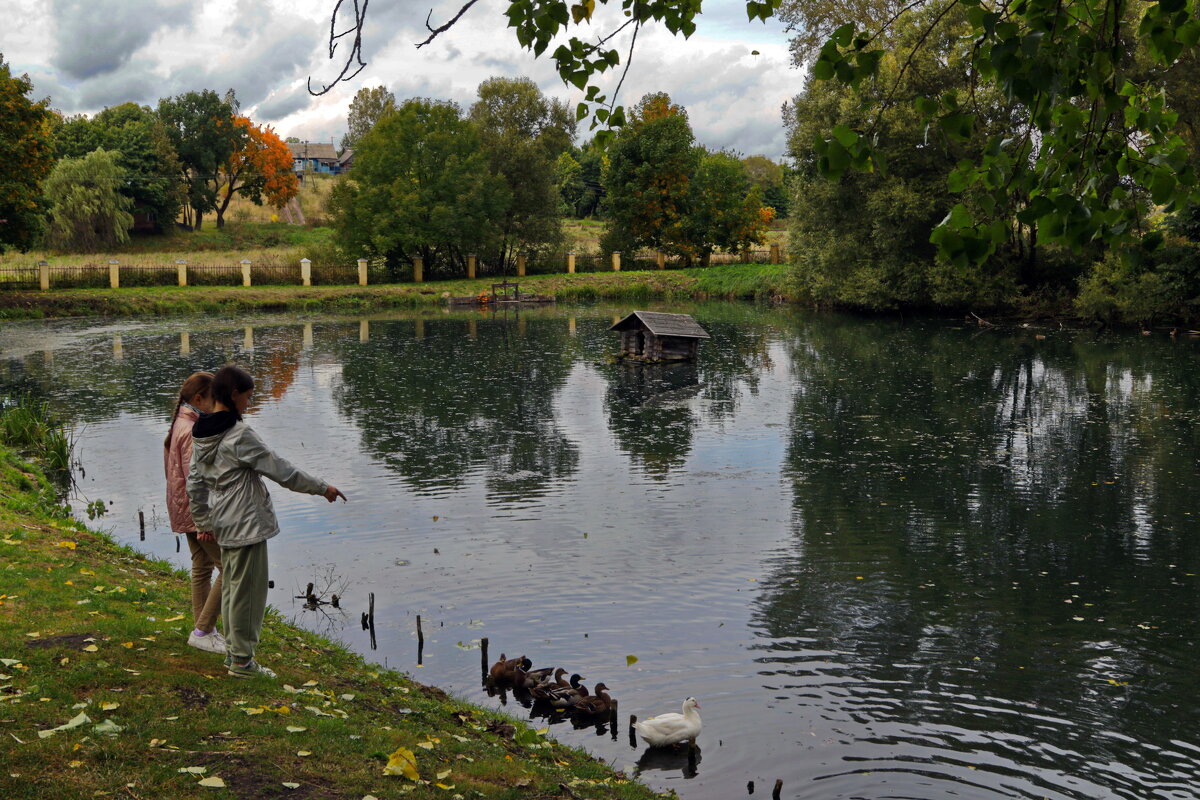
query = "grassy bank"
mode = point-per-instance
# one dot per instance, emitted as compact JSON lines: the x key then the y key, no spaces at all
{"x":100,"y":696}
{"x":733,"y":281}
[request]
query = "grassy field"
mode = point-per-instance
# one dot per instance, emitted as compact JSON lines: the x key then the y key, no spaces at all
{"x":100,"y":696}
{"x":731,"y":281}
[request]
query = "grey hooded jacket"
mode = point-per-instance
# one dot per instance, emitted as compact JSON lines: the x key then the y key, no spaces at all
{"x":226,"y":494}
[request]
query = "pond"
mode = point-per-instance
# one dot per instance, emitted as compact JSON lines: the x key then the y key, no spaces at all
{"x":891,"y":560}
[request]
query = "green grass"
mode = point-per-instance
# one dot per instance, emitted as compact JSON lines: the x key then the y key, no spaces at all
{"x":27,"y":426}
{"x":730,"y":281}
{"x":90,"y":627}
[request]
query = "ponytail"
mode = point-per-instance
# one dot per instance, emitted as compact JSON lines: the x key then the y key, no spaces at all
{"x":229,"y":379}
{"x":197,"y":383}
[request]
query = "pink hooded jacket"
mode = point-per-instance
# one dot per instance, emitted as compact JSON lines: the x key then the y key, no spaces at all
{"x":177,"y":458}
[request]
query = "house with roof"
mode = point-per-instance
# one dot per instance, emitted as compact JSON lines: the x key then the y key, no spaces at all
{"x":655,"y":336}
{"x":317,"y":157}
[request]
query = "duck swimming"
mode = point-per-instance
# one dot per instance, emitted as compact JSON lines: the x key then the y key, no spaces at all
{"x":671,"y":729}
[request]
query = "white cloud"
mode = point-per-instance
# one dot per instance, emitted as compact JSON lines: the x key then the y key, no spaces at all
{"x":266,"y":50}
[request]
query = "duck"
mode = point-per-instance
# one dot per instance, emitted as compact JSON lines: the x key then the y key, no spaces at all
{"x":526,"y":678}
{"x":596,"y":704}
{"x":561,"y":696}
{"x":504,"y":670}
{"x":671,"y":729}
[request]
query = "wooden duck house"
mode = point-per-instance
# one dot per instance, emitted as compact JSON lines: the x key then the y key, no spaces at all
{"x":654,"y":336}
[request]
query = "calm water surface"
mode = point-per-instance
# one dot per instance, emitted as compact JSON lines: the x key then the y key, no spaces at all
{"x":892,"y":561}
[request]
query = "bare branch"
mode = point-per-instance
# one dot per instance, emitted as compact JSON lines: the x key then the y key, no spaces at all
{"x":628,"y":61}
{"x":433,"y":32}
{"x":355,"y":55}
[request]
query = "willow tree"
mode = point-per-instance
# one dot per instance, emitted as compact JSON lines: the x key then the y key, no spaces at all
{"x":88,"y":211}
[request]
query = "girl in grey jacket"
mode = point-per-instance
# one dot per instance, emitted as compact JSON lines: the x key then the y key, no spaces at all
{"x":227,"y":496}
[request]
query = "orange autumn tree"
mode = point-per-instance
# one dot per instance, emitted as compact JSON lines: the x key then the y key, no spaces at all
{"x":261,"y":171}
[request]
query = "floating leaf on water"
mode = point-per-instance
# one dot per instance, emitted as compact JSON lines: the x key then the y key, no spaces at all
{"x":213,"y":782}
{"x":402,"y":762}
{"x":630,"y":660}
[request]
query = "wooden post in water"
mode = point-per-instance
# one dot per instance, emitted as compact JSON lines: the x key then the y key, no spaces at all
{"x":520,"y":265}
{"x":362,"y":272}
{"x":420,"y":642}
{"x":483,"y":658}
{"x":114,"y":274}
{"x":418,"y":269}
{"x":661,"y":258}
{"x":612,"y":720}
{"x":44,"y":276}
{"x":632,"y":730}
{"x":142,"y":524}
{"x":778,"y":789}
{"x":616,"y":261}
{"x":306,"y":272}
{"x":181,"y":271}
{"x":571,"y":263}
{"x":471,"y":267}
{"x":364,"y":330}
{"x":245,"y":272}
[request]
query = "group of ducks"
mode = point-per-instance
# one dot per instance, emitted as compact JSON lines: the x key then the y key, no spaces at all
{"x":552,"y":686}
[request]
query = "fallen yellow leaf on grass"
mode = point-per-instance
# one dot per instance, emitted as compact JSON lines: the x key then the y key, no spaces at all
{"x":91,"y":648}
{"x":214,"y":782}
{"x":304,"y":753}
{"x":442,"y":775}
{"x":310,"y":683}
{"x":402,"y":762}
{"x":175,"y":618}
{"x":109,"y":705}
{"x":444,"y":786}
{"x":287,"y":785}
{"x":68,"y":545}
{"x":426,"y":745}
{"x":74,"y":764}
{"x":295,"y":729}
{"x":193,"y":770}
{"x":127,"y":645}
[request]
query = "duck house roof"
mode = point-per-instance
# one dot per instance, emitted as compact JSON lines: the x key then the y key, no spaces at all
{"x":661,"y":324}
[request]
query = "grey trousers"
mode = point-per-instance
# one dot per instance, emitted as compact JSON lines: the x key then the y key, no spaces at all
{"x":243,"y":597}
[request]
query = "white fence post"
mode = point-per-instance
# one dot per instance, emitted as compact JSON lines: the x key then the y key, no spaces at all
{"x":114,"y":274}
{"x":245,"y":272}
{"x":181,"y":269}
{"x":362,"y":272}
{"x":616,"y":261}
{"x":306,"y":272}
{"x":44,"y":275}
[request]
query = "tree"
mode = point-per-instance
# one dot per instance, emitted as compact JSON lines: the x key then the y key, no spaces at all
{"x":1092,"y":136}
{"x":863,"y":240}
{"x":770,"y":179}
{"x":88,"y":212}
{"x":723,"y":209}
{"x":260,"y":170}
{"x":522,"y":134}
{"x":420,"y":187}
{"x":370,"y":104}
{"x":26,"y":157}
{"x":144,"y":153}
{"x":579,"y":180}
{"x":201,"y":128}
{"x":646,"y":184}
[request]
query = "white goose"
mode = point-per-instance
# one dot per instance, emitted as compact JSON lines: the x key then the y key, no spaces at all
{"x":668,"y":729}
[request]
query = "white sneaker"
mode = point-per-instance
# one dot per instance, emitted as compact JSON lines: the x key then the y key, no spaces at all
{"x":213,"y":642}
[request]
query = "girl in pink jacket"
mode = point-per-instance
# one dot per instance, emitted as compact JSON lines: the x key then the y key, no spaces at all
{"x":195,"y":398}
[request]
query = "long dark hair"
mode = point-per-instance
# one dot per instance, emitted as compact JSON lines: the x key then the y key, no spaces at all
{"x":197,"y":383}
{"x":229,"y":379}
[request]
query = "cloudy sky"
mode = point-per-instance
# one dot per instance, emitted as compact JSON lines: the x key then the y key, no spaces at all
{"x":88,"y":54}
